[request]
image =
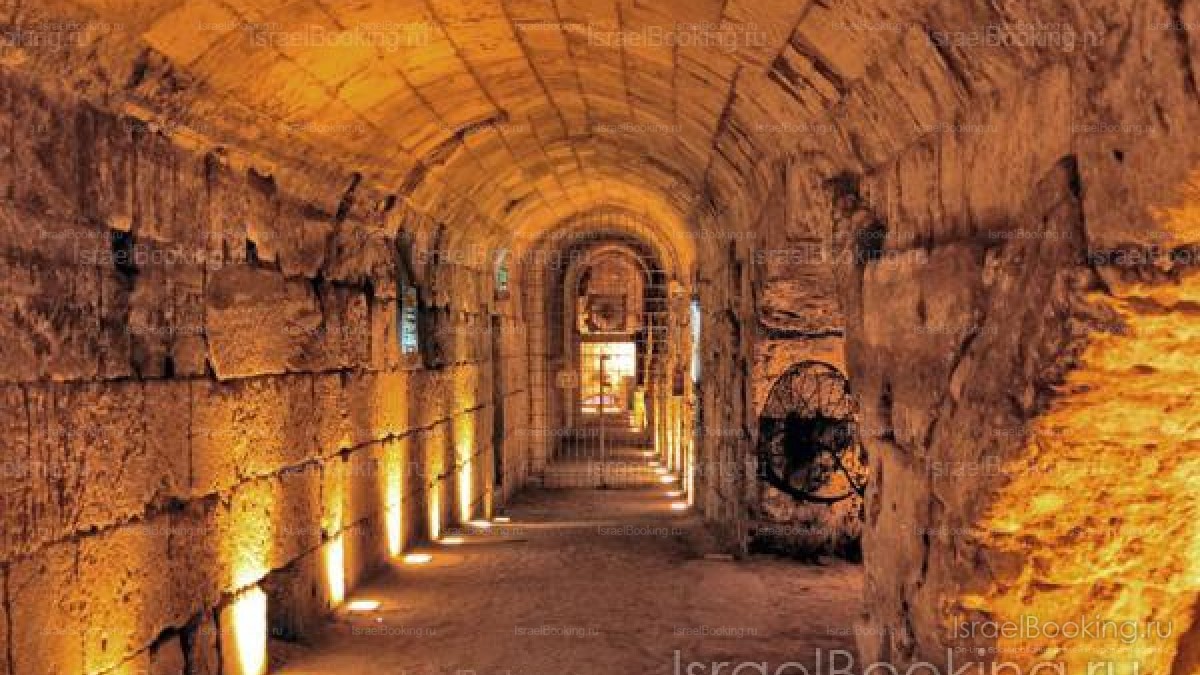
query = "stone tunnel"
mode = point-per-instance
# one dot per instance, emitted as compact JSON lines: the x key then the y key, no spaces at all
{"x":540,"y":336}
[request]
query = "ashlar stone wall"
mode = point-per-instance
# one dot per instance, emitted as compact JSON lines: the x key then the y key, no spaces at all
{"x":209,"y":433}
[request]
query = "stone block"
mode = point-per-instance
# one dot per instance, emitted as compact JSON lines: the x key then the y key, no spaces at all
{"x":378,"y":405}
{"x":266,"y":524}
{"x":396,"y":403}
{"x":48,"y":629}
{"x":45,"y":151}
{"x":167,"y":658}
{"x":334,"y":428}
{"x":297,"y":599}
{"x":125,"y":602}
{"x":359,"y":254}
{"x":156,"y":167}
{"x":365,"y":406}
{"x":114,"y":340}
{"x":5,"y":623}
{"x":365,"y":551}
{"x":1017,"y":142}
{"x":242,"y":628}
{"x":197,"y":561}
{"x":917,"y":313}
{"x":15,"y":470}
{"x":51,"y":317}
{"x":385,"y":339}
{"x":342,"y":341}
{"x":333,"y":495}
{"x":262,"y":212}
{"x":91,"y":605}
{"x":200,"y":646}
{"x":259,"y":323}
{"x":303,"y":235}
{"x":106,"y":167}
{"x":362,"y":484}
{"x":87,"y":464}
{"x":228,"y":212}
{"x":8,"y":173}
{"x":248,"y":428}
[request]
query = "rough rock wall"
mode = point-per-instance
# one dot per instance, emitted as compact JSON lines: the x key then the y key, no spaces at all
{"x":797,"y":319}
{"x":1018,"y":339}
{"x":1015,"y":184}
{"x":209,"y":431}
{"x":722,"y":467}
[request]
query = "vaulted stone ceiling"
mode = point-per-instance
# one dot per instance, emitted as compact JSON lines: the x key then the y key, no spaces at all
{"x":530,"y":110}
{"x":490,"y":115}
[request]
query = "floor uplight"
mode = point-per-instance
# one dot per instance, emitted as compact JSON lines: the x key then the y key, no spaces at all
{"x":362,"y":605}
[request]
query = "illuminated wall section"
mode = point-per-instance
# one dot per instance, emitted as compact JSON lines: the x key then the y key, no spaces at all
{"x":464,"y":449}
{"x":395,"y":476}
{"x":1104,"y":505}
{"x":244,"y":634}
{"x":335,"y":569}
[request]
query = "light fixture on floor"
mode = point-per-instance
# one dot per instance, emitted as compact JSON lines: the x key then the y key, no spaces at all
{"x":362,"y":605}
{"x":417,"y":559}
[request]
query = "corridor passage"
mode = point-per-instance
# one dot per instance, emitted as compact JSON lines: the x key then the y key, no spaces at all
{"x":581,"y":582}
{"x":599,"y":337}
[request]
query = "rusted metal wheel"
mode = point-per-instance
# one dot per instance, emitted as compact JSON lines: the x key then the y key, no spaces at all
{"x":808,"y":447}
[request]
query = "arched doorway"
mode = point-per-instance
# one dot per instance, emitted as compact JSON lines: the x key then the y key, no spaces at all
{"x":605,"y":342}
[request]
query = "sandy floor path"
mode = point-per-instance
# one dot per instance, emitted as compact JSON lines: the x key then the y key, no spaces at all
{"x":589,"y":582}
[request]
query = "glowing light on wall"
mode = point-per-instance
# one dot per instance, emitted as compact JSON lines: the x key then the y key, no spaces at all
{"x":1124,"y":425}
{"x":394,"y":503}
{"x":464,"y":445}
{"x":435,"y":511}
{"x":335,"y":569}
{"x":249,"y":614}
{"x":395,"y":521}
{"x":465,"y":510}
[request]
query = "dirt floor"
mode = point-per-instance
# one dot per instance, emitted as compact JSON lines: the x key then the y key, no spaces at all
{"x":587,"y":582}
